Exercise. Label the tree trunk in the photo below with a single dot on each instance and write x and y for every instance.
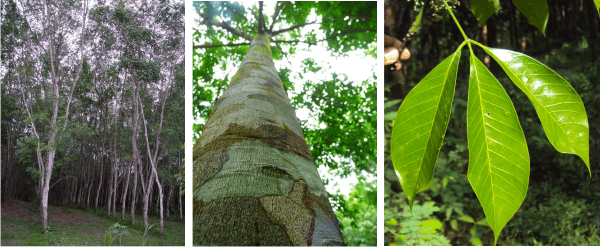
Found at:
(180, 205)
(255, 182)
(168, 201)
(134, 192)
(160, 201)
(146, 199)
(126, 186)
(99, 183)
(134, 127)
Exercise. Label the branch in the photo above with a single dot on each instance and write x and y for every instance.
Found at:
(221, 45)
(230, 29)
(330, 37)
(239, 15)
(294, 41)
(348, 32)
(276, 15)
(261, 19)
(291, 28)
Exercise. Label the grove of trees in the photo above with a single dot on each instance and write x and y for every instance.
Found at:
(92, 106)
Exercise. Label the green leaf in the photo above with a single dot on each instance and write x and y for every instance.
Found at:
(392, 103)
(597, 2)
(466, 218)
(430, 226)
(498, 155)
(389, 116)
(483, 222)
(536, 12)
(454, 224)
(558, 106)
(392, 222)
(420, 126)
(483, 9)
(476, 241)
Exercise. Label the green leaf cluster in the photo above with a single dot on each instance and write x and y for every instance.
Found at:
(498, 158)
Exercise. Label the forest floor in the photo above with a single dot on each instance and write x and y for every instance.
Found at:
(71, 226)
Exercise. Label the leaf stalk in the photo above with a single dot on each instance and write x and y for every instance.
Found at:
(455, 20)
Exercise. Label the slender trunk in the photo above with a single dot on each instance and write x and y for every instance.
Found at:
(153, 158)
(160, 201)
(255, 169)
(126, 186)
(91, 183)
(169, 200)
(110, 188)
(594, 40)
(114, 199)
(180, 205)
(146, 200)
(134, 126)
(134, 193)
(99, 183)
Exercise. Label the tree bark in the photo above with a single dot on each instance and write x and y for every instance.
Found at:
(99, 183)
(255, 182)
(180, 205)
(125, 187)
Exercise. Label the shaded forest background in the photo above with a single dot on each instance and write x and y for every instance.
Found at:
(118, 68)
(562, 206)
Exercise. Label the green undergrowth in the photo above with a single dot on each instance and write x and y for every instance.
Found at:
(89, 228)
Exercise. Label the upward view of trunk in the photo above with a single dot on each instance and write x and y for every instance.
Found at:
(255, 182)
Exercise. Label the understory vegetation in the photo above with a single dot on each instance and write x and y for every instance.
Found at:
(69, 226)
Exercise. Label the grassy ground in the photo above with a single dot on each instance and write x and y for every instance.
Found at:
(71, 226)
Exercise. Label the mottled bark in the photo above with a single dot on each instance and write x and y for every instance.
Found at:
(255, 182)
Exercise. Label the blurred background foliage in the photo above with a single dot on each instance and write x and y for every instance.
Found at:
(562, 206)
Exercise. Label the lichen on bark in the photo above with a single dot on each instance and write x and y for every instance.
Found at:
(255, 182)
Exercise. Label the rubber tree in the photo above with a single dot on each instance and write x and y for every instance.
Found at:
(255, 182)
(56, 85)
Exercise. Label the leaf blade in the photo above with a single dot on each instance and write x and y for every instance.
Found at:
(422, 121)
(536, 12)
(498, 156)
(483, 9)
(558, 106)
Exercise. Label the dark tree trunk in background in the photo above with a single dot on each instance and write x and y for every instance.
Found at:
(125, 188)
(593, 27)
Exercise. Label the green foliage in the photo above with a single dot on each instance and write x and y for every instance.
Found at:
(346, 123)
(420, 126)
(417, 228)
(498, 162)
(558, 106)
(498, 159)
(483, 9)
(358, 215)
(115, 233)
(536, 12)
